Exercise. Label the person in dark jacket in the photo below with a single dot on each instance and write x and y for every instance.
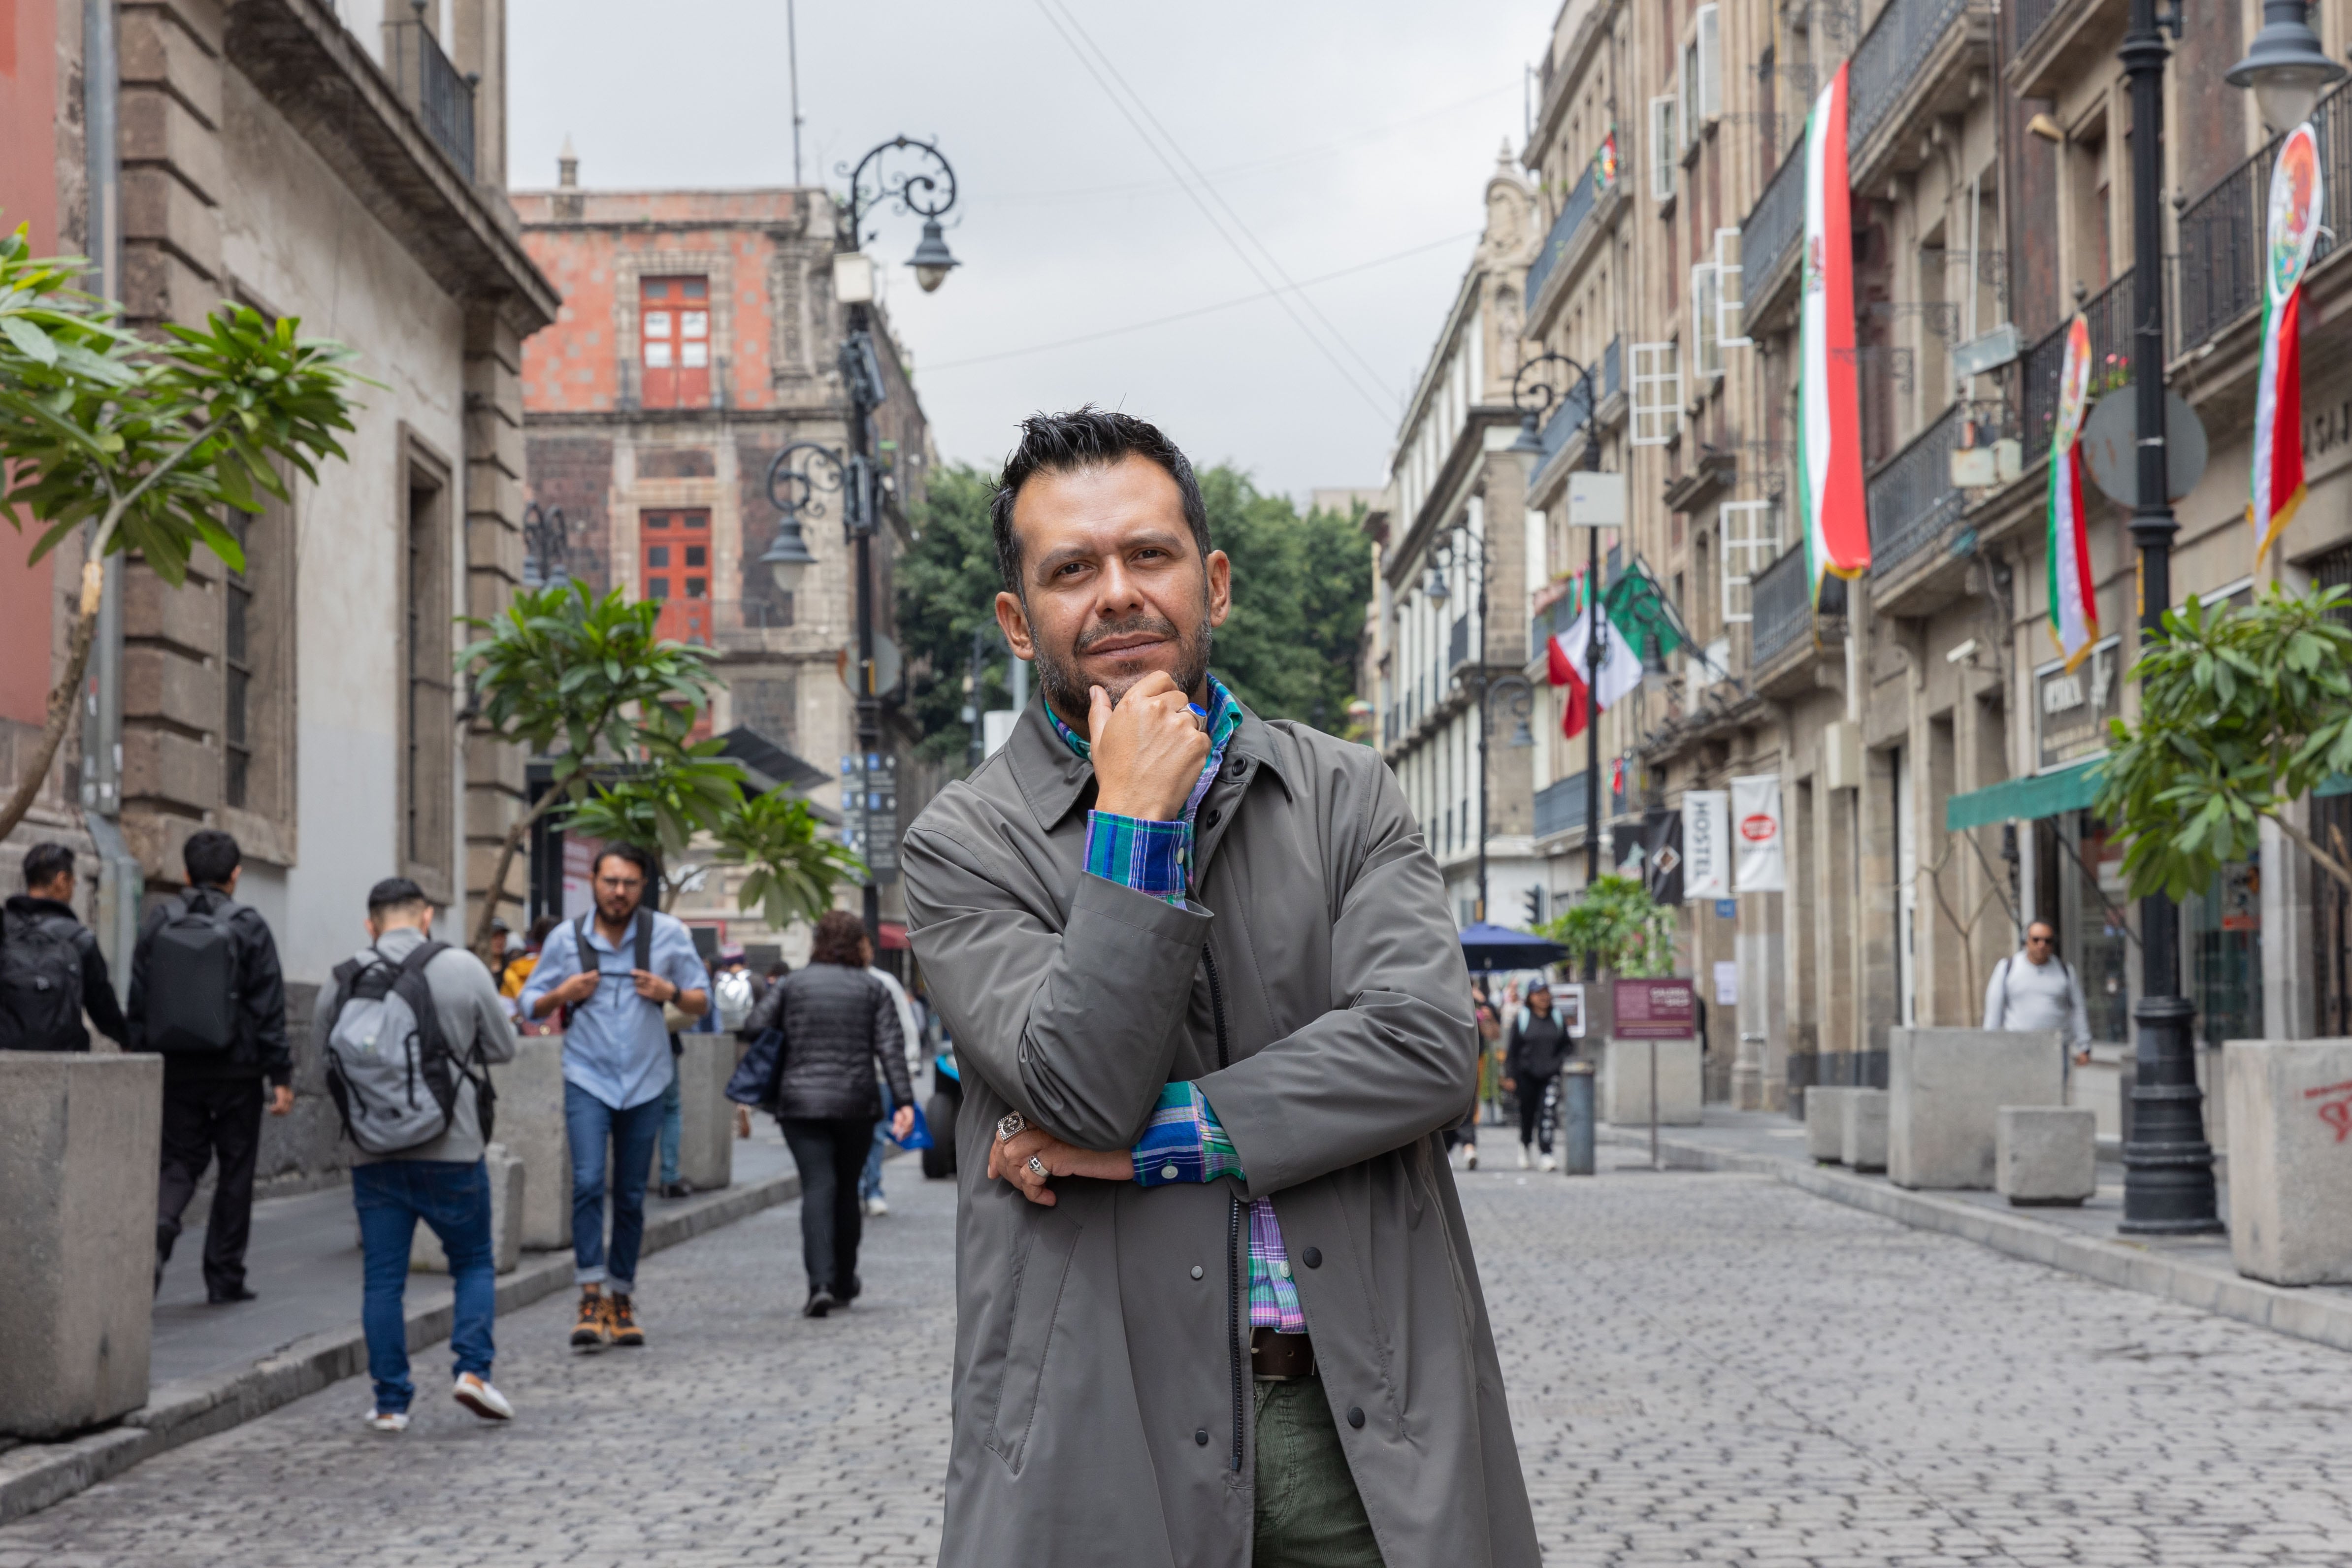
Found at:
(839, 1023)
(1538, 1048)
(212, 1099)
(44, 911)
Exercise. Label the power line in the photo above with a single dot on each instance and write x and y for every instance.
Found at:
(1203, 310)
(1342, 338)
(1246, 259)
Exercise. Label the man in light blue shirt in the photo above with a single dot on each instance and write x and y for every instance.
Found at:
(617, 1065)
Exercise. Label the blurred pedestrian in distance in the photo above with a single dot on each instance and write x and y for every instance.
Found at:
(517, 974)
(444, 1182)
(1536, 1050)
(51, 971)
(207, 994)
(1465, 1135)
(869, 1180)
(608, 975)
(734, 996)
(2033, 988)
(839, 1025)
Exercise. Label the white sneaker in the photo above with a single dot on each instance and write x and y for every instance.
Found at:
(876, 1208)
(1469, 1156)
(388, 1420)
(480, 1397)
(1547, 1163)
(1526, 1159)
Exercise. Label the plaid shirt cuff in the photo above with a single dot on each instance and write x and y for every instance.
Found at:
(1184, 1141)
(1135, 853)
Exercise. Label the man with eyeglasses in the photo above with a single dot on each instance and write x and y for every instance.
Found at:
(2036, 989)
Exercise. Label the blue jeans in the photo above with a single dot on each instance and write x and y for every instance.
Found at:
(869, 1180)
(591, 1124)
(673, 1128)
(454, 1198)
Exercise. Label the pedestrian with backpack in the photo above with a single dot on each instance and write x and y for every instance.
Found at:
(408, 1028)
(2033, 988)
(51, 971)
(1538, 1047)
(207, 994)
(609, 974)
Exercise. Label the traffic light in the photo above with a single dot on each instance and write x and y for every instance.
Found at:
(1535, 906)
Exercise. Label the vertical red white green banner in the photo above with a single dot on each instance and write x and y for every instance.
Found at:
(1829, 458)
(2074, 592)
(2298, 194)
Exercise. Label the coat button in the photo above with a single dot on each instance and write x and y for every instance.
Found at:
(1196, 1271)
(1355, 1415)
(1213, 814)
(1201, 1437)
(1312, 1258)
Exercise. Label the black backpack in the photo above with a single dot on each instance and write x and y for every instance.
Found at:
(40, 981)
(192, 976)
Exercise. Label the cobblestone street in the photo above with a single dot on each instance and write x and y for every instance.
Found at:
(1703, 1369)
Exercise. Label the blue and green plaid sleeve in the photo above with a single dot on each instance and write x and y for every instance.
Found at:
(1184, 1141)
(1138, 853)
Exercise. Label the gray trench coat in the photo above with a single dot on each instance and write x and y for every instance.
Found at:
(1101, 1401)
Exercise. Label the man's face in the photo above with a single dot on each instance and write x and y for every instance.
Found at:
(2038, 941)
(619, 886)
(1112, 585)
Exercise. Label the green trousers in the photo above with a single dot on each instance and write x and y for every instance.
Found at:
(1309, 1513)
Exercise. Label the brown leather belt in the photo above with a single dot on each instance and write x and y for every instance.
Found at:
(1277, 1357)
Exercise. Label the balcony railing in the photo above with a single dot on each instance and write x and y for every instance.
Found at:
(2110, 314)
(2031, 15)
(1457, 644)
(1570, 415)
(425, 80)
(1889, 57)
(1777, 222)
(1779, 597)
(2221, 232)
(1559, 808)
(1571, 217)
(1912, 499)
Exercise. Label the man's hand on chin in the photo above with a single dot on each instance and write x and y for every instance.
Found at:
(1008, 1160)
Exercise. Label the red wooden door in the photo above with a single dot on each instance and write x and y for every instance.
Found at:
(674, 325)
(674, 567)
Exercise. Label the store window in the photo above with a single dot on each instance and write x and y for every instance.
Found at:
(673, 326)
(2221, 953)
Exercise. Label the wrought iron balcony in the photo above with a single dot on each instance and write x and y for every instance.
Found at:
(1457, 644)
(2110, 314)
(1781, 598)
(442, 99)
(1559, 808)
(1581, 202)
(2221, 276)
(1775, 224)
(1890, 56)
(1912, 498)
(2031, 15)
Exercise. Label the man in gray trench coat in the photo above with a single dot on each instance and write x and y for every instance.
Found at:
(1216, 1304)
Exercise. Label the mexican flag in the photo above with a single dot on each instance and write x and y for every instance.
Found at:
(2297, 194)
(1619, 668)
(2073, 600)
(1829, 456)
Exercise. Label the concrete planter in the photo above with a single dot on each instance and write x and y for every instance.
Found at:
(1945, 1092)
(706, 1150)
(509, 1186)
(2290, 1121)
(1862, 1128)
(1625, 1082)
(530, 1124)
(1825, 1124)
(82, 1138)
(2043, 1154)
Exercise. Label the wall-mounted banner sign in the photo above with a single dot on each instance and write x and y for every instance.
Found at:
(1759, 864)
(1707, 845)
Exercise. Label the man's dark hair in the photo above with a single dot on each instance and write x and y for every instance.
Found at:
(394, 893)
(635, 855)
(1088, 438)
(838, 932)
(44, 863)
(211, 858)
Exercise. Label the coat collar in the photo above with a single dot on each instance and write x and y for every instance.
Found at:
(1053, 777)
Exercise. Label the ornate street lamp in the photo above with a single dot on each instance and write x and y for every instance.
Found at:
(922, 183)
(1472, 555)
(546, 548)
(1540, 386)
(2287, 68)
(795, 477)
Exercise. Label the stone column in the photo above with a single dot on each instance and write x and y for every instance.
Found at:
(494, 551)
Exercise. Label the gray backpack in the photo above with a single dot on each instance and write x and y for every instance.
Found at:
(391, 1073)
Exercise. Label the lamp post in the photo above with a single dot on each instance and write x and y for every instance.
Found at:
(2287, 68)
(911, 176)
(1469, 551)
(2167, 1164)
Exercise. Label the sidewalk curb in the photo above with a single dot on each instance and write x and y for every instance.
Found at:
(35, 1475)
(2322, 1319)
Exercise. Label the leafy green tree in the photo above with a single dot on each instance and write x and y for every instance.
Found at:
(2243, 710)
(588, 682)
(1619, 927)
(794, 867)
(947, 591)
(145, 441)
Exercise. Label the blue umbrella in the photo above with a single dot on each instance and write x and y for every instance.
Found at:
(1488, 948)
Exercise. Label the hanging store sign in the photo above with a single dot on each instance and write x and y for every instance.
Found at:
(2072, 707)
(1706, 843)
(1759, 864)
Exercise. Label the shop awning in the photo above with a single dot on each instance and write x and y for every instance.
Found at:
(2043, 794)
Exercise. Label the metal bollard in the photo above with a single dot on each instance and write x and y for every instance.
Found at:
(1575, 1119)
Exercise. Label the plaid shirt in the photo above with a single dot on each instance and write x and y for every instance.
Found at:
(1184, 1141)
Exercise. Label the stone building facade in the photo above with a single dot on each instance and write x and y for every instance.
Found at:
(698, 337)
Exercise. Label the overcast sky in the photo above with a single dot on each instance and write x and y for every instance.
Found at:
(1339, 134)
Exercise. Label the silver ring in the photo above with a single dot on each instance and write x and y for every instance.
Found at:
(1037, 1167)
(1010, 1126)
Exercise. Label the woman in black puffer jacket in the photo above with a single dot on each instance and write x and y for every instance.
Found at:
(838, 1022)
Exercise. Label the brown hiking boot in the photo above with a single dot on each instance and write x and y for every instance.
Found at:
(621, 1322)
(592, 1329)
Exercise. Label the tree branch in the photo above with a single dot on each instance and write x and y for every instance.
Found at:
(2319, 858)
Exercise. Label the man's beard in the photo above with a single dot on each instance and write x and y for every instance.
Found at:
(1067, 690)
